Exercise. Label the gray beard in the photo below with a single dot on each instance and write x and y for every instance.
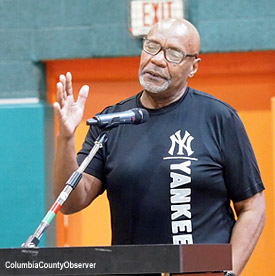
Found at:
(152, 87)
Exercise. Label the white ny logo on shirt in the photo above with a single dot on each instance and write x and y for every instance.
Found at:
(183, 143)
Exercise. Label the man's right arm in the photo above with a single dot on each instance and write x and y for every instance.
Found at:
(69, 114)
(88, 188)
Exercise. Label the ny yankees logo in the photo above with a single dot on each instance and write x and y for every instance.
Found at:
(181, 186)
(183, 143)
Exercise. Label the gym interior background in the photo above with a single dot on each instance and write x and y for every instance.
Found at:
(92, 39)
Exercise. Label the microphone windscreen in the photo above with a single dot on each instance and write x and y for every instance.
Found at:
(145, 114)
(141, 115)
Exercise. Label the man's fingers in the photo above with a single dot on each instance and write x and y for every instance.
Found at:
(57, 109)
(60, 96)
(82, 97)
(69, 86)
(62, 80)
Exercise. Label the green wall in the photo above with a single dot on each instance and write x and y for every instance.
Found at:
(32, 31)
(25, 159)
(35, 30)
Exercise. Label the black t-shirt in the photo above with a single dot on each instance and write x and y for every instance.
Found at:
(170, 180)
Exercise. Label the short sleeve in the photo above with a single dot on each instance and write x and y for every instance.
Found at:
(241, 171)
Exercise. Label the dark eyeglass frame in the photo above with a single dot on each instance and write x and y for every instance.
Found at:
(164, 50)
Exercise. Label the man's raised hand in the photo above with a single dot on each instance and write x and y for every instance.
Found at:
(68, 111)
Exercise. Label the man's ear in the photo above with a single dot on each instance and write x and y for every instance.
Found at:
(194, 68)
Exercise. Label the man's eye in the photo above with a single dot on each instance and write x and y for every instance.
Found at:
(152, 46)
(174, 54)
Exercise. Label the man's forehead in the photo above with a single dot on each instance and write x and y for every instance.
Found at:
(176, 31)
(168, 35)
(169, 31)
(171, 27)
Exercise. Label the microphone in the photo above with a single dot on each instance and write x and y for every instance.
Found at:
(133, 116)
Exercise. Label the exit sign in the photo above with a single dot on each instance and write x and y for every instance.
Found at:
(146, 13)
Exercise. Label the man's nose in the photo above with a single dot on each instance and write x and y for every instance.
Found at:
(159, 59)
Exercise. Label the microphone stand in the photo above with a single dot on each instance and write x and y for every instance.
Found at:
(71, 184)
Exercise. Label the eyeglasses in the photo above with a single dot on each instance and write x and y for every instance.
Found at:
(172, 55)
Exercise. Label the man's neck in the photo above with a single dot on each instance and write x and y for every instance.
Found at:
(159, 100)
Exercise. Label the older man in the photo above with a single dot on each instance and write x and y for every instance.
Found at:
(171, 179)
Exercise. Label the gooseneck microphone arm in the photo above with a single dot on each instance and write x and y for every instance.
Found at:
(106, 122)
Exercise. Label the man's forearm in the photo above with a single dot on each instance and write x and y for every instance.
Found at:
(246, 232)
(64, 163)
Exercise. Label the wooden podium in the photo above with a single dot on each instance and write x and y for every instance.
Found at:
(197, 259)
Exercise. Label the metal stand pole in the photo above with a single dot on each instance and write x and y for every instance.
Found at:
(34, 239)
